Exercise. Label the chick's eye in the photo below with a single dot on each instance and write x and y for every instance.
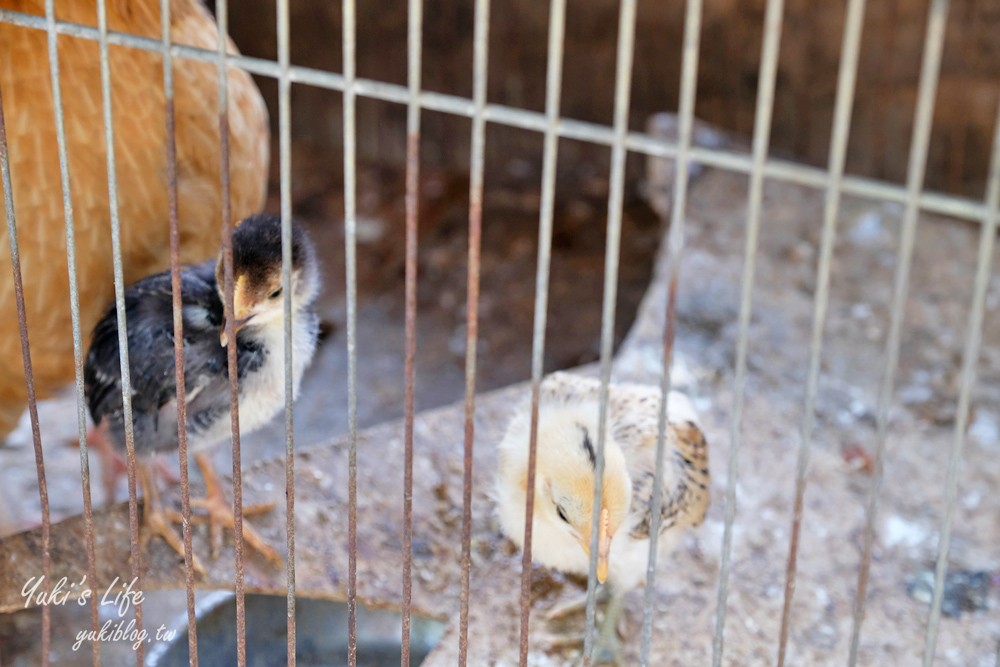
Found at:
(275, 294)
(562, 513)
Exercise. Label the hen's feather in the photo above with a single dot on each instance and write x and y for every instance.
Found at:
(139, 114)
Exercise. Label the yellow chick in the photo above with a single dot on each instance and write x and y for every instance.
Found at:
(568, 415)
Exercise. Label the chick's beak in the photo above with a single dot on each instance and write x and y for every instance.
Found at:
(242, 310)
(603, 546)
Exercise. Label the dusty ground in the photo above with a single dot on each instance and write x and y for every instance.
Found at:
(508, 269)
(506, 308)
(911, 504)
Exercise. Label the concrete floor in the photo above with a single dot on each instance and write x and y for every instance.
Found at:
(920, 439)
(506, 318)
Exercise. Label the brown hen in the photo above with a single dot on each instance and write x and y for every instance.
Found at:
(140, 150)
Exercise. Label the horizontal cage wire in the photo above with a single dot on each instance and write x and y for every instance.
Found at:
(832, 181)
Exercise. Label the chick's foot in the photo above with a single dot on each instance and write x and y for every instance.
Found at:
(219, 514)
(159, 521)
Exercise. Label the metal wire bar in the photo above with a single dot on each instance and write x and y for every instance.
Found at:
(553, 89)
(226, 222)
(637, 142)
(285, 185)
(623, 90)
(929, 71)
(74, 306)
(350, 263)
(414, 57)
(846, 79)
(178, 315)
(123, 352)
(29, 381)
(973, 341)
(761, 141)
(476, 166)
(675, 245)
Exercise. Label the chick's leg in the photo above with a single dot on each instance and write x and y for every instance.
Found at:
(562, 633)
(220, 513)
(575, 605)
(159, 521)
(607, 648)
(113, 466)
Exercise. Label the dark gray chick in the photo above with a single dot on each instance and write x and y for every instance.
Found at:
(259, 331)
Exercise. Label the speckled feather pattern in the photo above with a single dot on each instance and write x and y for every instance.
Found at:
(632, 423)
(633, 420)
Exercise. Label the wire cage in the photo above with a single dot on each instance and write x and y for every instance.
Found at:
(758, 165)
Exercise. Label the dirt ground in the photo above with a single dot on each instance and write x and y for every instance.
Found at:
(920, 436)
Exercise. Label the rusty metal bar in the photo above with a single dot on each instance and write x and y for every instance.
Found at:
(414, 57)
(846, 78)
(285, 178)
(29, 381)
(123, 352)
(675, 246)
(553, 90)
(619, 155)
(350, 265)
(477, 158)
(929, 71)
(973, 342)
(178, 315)
(761, 141)
(226, 221)
(74, 301)
(637, 142)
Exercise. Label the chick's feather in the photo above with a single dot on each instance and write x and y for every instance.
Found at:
(139, 116)
(148, 313)
(632, 434)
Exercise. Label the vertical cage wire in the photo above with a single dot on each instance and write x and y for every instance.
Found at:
(476, 160)
(675, 246)
(178, 317)
(835, 187)
(285, 186)
(973, 341)
(553, 93)
(414, 59)
(761, 140)
(623, 90)
(350, 265)
(123, 356)
(222, 19)
(29, 381)
(74, 306)
(929, 71)
(732, 160)
(846, 78)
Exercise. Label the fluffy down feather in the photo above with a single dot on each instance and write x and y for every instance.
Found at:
(140, 132)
